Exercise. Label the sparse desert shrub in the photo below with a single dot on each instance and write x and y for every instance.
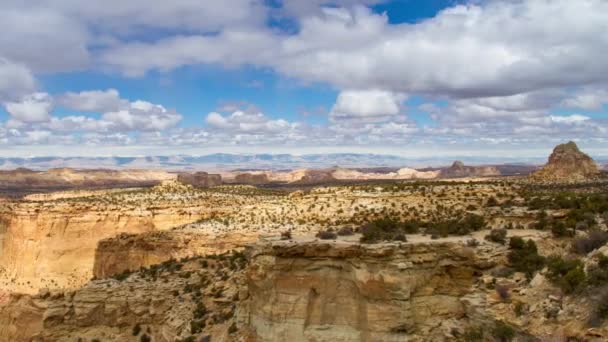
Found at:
(387, 229)
(492, 202)
(136, 329)
(122, 276)
(200, 311)
(503, 332)
(519, 308)
(498, 236)
(196, 326)
(503, 292)
(523, 256)
(594, 240)
(569, 275)
(286, 235)
(145, 338)
(345, 231)
(600, 311)
(558, 229)
(327, 235)
(597, 275)
(473, 334)
(472, 243)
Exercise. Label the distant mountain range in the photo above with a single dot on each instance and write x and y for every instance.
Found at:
(248, 162)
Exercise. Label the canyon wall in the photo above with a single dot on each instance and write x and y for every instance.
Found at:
(316, 291)
(131, 252)
(54, 246)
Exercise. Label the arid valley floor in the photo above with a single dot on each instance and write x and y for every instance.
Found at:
(457, 254)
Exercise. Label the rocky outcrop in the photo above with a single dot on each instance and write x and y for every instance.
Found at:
(159, 304)
(22, 180)
(251, 178)
(567, 164)
(128, 252)
(403, 173)
(200, 179)
(319, 291)
(53, 244)
(459, 170)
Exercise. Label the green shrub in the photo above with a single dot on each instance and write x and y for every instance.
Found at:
(327, 235)
(597, 275)
(519, 309)
(569, 275)
(200, 311)
(524, 256)
(196, 326)
(473, 334)
(558, 229)
(498, 236)
(345, 231)
(503, 332)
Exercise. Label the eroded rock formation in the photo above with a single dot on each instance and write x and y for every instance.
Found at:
(131, 252)
(458, 170)
(200, 179)
(567, 163)
(350, 292)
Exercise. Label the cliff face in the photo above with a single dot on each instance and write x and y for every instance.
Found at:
(252, 179)
(131, 252)
(200, 179)
(23, 179)
(110, 310)
(53, 247)
(567, 163)
(349, 292)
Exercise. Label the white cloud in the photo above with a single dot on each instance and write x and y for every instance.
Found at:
(93, 101)
(15, 80)
(494, 49)
(366, 105)
(42, 38)
(587, 99)
(35, 107)
(249, 122)
(570, 119)
(143, 115)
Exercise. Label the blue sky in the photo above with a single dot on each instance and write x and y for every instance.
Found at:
(405, 77)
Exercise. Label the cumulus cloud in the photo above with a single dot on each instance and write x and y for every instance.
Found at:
(35, 107)
(366, 105)
(43, 38)
(93, 101)
(587, 99)
(143, 115)
(494, 49)
(248, 122)
(15, 80)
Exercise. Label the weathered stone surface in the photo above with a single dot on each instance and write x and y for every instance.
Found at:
(350, 292)
(567, 163)
(200, 179)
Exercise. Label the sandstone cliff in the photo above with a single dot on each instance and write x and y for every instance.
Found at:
(23, 179)
(350, 292)
(200, 179)
(132, 252)
(251, 178)
(567, 163)
(53, 243)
